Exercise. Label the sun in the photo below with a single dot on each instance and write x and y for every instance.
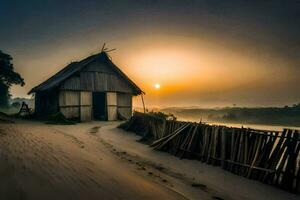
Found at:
(157, 86)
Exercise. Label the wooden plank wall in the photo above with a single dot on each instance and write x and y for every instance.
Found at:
(85, 106)
(97, 77)
(78, 104)
(72, 83)
(124, 102)
(69, 104)
(98, 81)
(111, 99)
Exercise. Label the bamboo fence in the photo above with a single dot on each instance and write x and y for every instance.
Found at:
(271, 157)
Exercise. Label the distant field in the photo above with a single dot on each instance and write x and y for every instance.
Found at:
(282, 116)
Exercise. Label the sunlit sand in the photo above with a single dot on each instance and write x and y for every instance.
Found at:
(96, 160)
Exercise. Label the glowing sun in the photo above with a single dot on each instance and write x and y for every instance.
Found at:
(157, 86)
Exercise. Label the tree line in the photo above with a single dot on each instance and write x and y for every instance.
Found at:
(8, 77)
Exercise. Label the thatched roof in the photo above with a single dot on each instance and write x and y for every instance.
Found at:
(74, 67)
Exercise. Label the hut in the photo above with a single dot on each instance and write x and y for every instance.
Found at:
(91, 89)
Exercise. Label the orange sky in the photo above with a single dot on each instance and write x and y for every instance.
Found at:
(202, 53)
(191, 71)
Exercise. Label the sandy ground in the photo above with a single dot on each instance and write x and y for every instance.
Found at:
(39, 161)
(96, 160)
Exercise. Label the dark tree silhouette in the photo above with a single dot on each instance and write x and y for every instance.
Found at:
(8, 77)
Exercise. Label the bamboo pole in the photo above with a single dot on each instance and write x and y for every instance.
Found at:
(143, 102)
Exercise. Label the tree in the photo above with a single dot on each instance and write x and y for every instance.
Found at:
(8, 77)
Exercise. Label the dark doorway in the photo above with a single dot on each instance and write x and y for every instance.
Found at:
(99, 105)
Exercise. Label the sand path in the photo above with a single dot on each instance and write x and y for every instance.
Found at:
(39, 161)
(96, 160)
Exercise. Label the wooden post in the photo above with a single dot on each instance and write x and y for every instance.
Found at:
(143, 102)
(223, 147)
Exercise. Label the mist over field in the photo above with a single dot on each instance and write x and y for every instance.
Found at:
(284, 116)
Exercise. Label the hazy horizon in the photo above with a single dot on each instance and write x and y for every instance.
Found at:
(207, 54)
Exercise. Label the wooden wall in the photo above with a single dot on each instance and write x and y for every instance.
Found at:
(69, 104)
(76, 104)
(124, 102)
(85, 106)
(97, 77)
(111, 99)
(98, 81)
(75, 97)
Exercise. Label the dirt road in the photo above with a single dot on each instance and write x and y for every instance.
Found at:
(96, 160)
(39, 161)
